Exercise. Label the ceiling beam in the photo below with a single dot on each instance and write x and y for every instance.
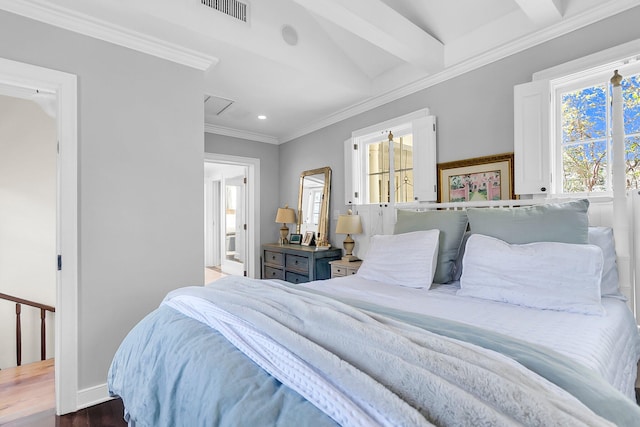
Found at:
(541, 12)
(374, 21)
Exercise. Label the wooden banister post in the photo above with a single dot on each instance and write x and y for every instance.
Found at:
(18, 335)
(43, 314)
(43, 337)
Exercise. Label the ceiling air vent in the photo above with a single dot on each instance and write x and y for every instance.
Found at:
(233, 8)
(216, 105)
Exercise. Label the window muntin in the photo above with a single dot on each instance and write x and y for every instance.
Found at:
(403, 167)
(583, 154)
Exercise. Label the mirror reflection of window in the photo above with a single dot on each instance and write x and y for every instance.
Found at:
(312, 202)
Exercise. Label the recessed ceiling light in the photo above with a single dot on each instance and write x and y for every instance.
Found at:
(262, 117)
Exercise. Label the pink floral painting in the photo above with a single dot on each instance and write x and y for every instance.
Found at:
(475, 186)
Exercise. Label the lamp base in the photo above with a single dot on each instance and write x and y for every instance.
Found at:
(284, 232)
(348, 245)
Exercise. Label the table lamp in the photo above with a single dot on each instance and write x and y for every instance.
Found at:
(349, 224)
(285, 216)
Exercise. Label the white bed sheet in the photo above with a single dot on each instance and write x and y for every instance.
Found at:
(609, 344)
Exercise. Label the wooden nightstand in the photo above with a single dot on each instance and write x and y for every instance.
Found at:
(297, 264)
(341, 268)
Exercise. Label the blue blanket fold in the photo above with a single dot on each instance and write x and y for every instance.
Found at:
(174, 371)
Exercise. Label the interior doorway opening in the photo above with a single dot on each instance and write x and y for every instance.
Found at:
(231, 212)
(226, 219)
(63, 86)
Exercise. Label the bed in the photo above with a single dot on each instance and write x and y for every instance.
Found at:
(477, 317)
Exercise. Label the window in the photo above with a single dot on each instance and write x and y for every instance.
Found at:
(382, 174)
(583, 132)
(391, 171)
(562, 125)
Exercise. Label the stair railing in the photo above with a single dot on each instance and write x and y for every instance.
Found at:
(43, 310)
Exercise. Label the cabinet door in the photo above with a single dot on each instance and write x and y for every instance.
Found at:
(531, 138)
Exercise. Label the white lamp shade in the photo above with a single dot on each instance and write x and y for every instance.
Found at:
(349, 224)
(286, 215)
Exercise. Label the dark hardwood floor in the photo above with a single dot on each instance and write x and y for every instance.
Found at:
(107, 414)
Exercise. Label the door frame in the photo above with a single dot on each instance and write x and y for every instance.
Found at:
(64, 85)
(253, 204)
(212, 222)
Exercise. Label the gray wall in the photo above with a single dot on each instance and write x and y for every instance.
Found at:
(269, 173)
(140, 121)
(474, 111)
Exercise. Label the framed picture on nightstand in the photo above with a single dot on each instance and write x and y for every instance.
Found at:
(295, 239)
(308, 238)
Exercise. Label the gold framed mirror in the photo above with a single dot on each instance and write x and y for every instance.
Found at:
(313, 204)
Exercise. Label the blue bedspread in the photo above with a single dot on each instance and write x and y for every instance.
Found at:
(172, 370)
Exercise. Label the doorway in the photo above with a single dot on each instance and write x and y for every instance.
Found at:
(231, 195)
(63, 86)
(226, 219)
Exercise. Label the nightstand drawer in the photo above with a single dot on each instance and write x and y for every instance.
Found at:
(338, 271)
(273, 273)
(298, 263)
(275, 258)
(295, 278)
(341, 268)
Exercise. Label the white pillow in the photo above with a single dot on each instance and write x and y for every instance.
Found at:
(407, 259)
(603, 237)
(547, 275)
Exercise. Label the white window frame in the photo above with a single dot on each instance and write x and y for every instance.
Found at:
(423, 128)
(533, 173)
(568, 84)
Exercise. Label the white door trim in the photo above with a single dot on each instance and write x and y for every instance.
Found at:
(253, 204)
(23, 75)
(212, 222)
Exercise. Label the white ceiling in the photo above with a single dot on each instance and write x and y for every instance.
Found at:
(350, 55)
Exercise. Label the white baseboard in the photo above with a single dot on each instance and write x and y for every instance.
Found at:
(93, 396)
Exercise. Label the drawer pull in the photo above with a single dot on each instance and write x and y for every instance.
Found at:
(273, 257)
(339, 271)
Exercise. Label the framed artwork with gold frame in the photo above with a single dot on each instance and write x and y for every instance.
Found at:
(477, 179)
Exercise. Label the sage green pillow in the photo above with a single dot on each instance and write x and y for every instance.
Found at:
(452, 225)
(554, 222)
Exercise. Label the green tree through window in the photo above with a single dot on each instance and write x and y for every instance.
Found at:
(586, 136)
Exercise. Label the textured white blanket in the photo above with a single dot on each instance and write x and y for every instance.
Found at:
(364, 369)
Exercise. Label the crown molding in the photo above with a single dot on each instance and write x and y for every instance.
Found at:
(561, 28)
(237, 133)
(89, 26)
